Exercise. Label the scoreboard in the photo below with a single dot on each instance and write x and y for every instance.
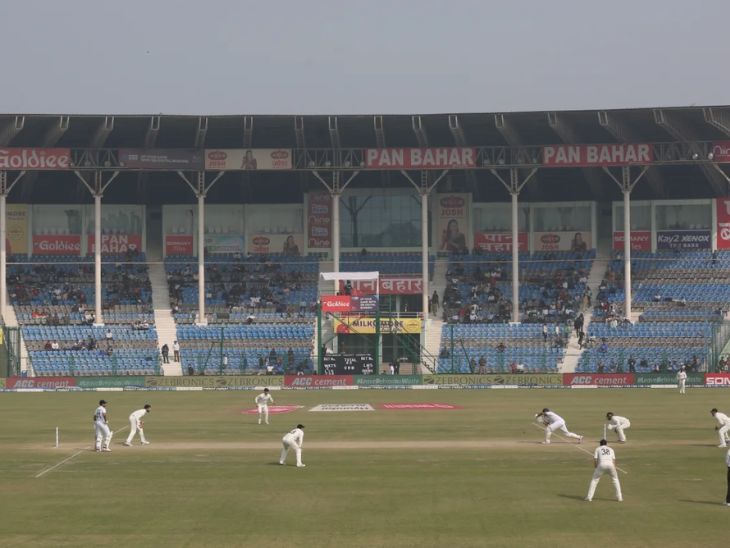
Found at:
(349, 364)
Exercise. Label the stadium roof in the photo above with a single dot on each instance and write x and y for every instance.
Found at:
(655, 125)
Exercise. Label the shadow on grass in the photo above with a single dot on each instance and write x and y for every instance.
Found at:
(574, 497)
(710, 502)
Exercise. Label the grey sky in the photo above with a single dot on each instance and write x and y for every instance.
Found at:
(376, 56)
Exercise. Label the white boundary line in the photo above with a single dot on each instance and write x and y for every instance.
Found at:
(576, 445)
(77, 453)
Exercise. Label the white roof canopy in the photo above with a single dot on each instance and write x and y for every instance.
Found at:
(352, 276)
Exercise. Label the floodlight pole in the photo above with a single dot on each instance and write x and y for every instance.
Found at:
(627, 184)
(200, 188)
(5, 189)
(514, 186)
(96, 186)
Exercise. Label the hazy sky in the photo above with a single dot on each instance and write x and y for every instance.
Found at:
(371, 56)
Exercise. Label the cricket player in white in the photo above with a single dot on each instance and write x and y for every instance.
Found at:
(604, 461)
(682, 381)
(101, 428)
(262, 402)
(553, 422)
(723, 427)
(619, 424)
(136, 425)
(293, 440)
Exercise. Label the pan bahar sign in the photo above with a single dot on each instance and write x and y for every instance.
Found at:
(529, 379)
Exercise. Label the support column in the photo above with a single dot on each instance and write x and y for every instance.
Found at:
(3, 250)
(201, 255)
(424, 251)
(98, 319)
(627, 184)
(514, 186)
(515, 259)
(336, 230)
(627, 253)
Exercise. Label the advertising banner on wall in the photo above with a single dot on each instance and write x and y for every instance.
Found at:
(528, 379)
(640, 240)
(683, 239)
(451, 222)
(596, 155)
(721, 152)
(223, 243)
(723, 223)
(366, 326)
(647, 379)
(318, 381)
(173, 158)
(57, 229)
(319, 220)
(35, 159)
(116, 243)
(122, 227)
(239, 159)
(179, 224)
(388, 285)
(111, 382)
(561, 241)
(420, 158)
(16, 235)
(717, 379)
(599, 379)
(218, 381)
(48, 383)
(223, 228)
(495, 242)
(287, 244)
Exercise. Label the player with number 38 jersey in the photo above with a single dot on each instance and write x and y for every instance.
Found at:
(604, 461)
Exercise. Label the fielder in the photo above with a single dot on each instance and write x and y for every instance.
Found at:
(293, 440)
(101, 428)
(682, 381)
(552, 422)
(723, 426)
(136, 425)
(619, 424)
(262, 402)
(604, 461)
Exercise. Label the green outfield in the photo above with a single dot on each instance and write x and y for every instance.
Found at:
(475, 476)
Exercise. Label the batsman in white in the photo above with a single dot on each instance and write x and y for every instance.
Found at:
(604, 461)
(553, 422)
(101, 428)
(136, 425)
(262, 402)
(682, 381)
(293, 440)
(619, 424)
(723, 426)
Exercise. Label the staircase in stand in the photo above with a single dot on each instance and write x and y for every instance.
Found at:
(11, 320)
(164, 321)
(431, 346)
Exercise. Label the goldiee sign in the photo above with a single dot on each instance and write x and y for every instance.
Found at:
(529, 379)
(223, 381)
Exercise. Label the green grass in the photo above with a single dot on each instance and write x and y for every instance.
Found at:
(515, 494)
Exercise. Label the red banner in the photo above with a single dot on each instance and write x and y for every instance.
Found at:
(117, 243)
(599, 379)
(40, 382)
(596, 155)
(420, 158)
(389, 285)
(723, 223)
(35, 159)
(319, 221)
(47, 244)
(717, 379)
(561, 241)
(721, 152)
(494, 242)
(334, 303)
(177, 244)
(640, 240)
(318, 381)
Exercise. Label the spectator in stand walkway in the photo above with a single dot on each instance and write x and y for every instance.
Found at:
(165, 350)
(545, 332)
(176, 351)
(435, 303)
(109, 336)
(578, 323)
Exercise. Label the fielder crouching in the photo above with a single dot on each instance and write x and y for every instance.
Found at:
(136, 425)
(293, 440)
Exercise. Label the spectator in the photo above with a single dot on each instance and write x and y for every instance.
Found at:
(108, 335)
(224, 363)
(482, 365)
(632, 365)
(581, 337)
(165, 350)
(545, 332)
(472, 366)
(435, 303)
(290, 358)
(176, 351)
(48, 346)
